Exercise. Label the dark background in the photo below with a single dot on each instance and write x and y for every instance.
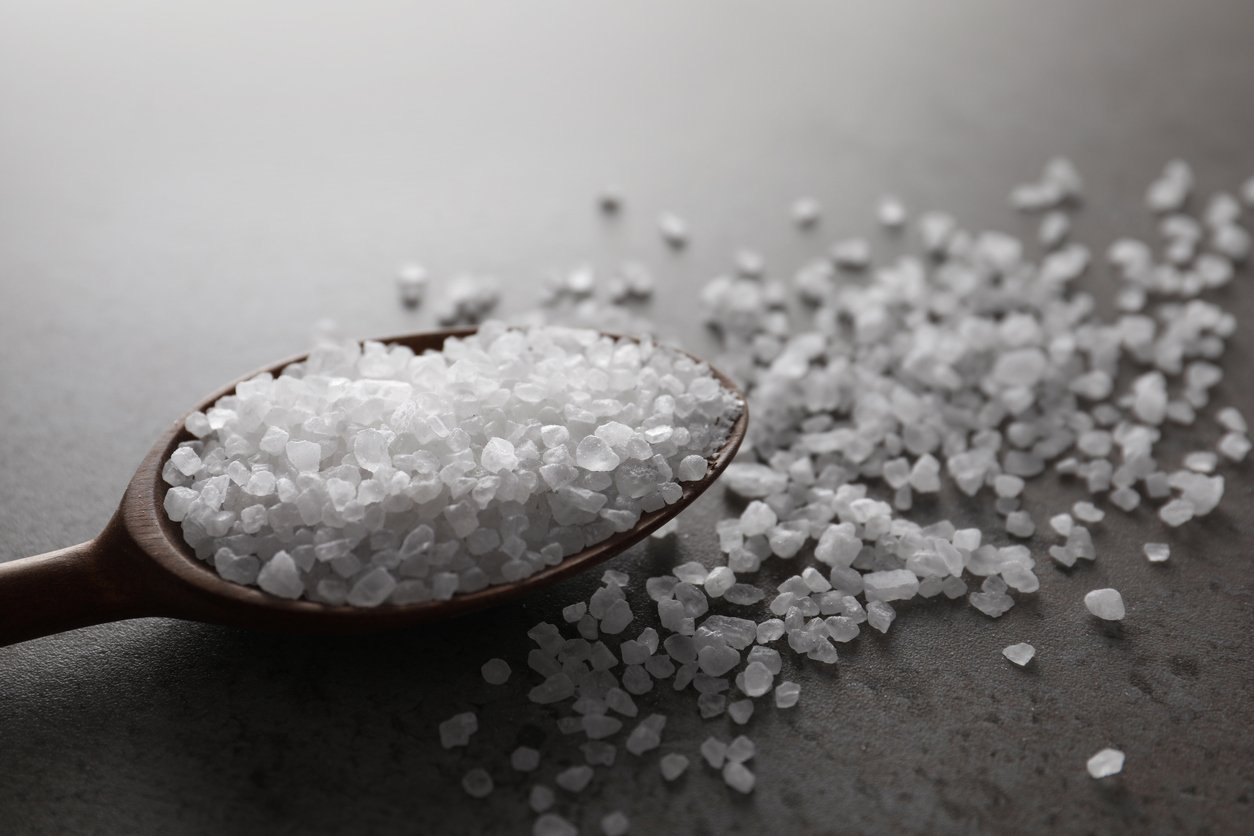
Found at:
(186, 188)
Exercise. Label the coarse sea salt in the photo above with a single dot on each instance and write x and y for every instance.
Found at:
(1020, 654)
(1105, 763)
(972, 366)
(368, 475)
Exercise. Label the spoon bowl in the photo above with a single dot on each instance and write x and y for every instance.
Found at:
(140, 566)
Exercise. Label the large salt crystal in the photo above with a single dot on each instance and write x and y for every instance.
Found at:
(186, 460)
(756, 519)
(457, 730)
(1105, 763)
(753, 480)
(551, 824)
(673, 765)
(304, 455)
(1020, 654)
(787, 694)
(880, 615)
(281, 577)
(1106, 604)
(477, 783)
(894, 585)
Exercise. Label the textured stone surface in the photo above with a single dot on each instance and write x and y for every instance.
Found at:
(295, 158)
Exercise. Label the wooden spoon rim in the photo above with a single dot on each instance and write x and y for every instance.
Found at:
(202, 589)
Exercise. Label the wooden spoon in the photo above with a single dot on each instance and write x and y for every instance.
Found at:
(140, 567)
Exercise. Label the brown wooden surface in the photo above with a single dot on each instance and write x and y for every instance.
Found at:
(139, 566)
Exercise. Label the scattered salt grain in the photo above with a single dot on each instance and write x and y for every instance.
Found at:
(738, 777)
(853, 254)
(1087, 512)
(891, 212)
(574, 779)
(1105, 763)
(524, 759)
(495, 671)
(551, 824)
(880, 615)
(1020, 654)
(477, 783)
(806, 212)
(714, 751)
(740, 711)
(1106, 604)
(457, 730)
(411, 283)
(673, 765)
(1157, 552)
(674, 230)
(615, 823)
(786, 694)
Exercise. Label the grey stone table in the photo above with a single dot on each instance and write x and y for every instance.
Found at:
(186, 188)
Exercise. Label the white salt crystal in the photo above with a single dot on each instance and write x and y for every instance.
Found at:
(738, 777)
(593, 453)
(787, 694)
(477, 783)
(1234, 446)
(551, 824)
(925, 476)
(615, 823)
(740, 711)
(992, 604)
(1232, 420)
(1105, 763)
(524, 759)
(617, 618)
(1020, 654)
(1088, 512)
(894, 585)
(1177, 512)
(852, 254)
(757, 518)
(1106, 604)
(719, 581)
(757, 679)
(673, 765)
(674, 230)
(880, 615)
(647, 735)
(495, 671)
(411, 282)
(1054, 229)
(806, 212)
(692, 468)
(186, 460)
(371, 589)
(498, 454)
(753, 480)
(575, 778)
(456, 730)
(304, 455)
(1019, 524)
(714, 751)
(281, 577)
(1157, 552)
(891, 212)
(540, 799)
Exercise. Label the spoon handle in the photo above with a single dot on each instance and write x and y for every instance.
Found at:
(63, 590)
